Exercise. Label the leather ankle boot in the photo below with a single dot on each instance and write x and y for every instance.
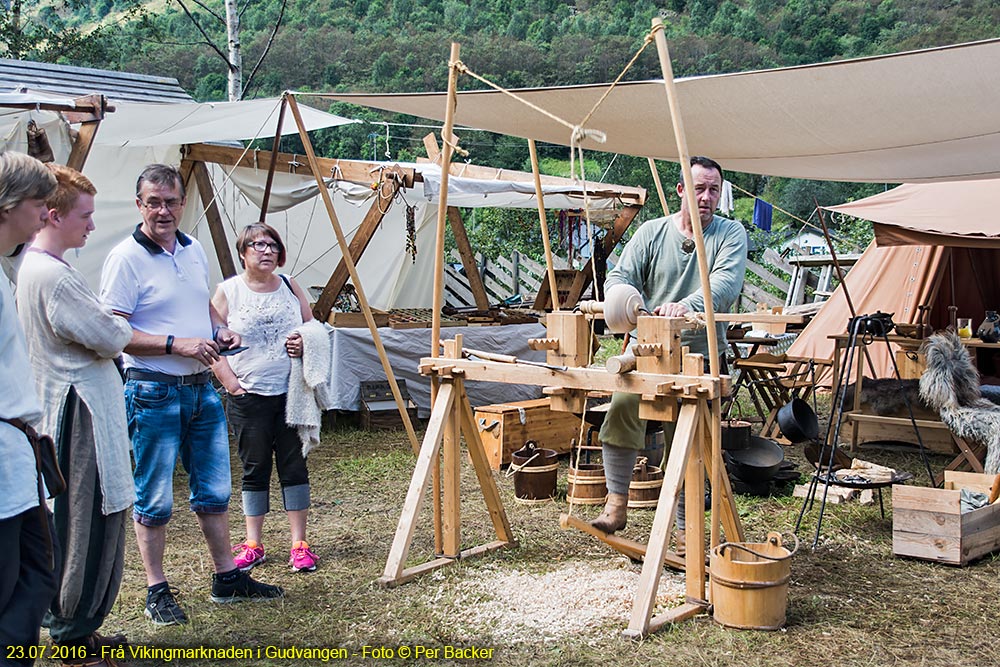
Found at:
(614, 514)
(680, 538)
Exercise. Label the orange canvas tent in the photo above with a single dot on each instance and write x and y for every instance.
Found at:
(936, 244)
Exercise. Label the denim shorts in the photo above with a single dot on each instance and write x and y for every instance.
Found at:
(166, 421)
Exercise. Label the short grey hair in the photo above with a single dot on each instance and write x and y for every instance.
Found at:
(160, 174)
(23, 177)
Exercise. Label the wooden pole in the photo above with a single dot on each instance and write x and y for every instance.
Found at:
(353, 270)
(549, 266)
(659, 185)
(274, 151)
(692, 203)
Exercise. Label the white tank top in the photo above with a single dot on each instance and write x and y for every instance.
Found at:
(264, 320)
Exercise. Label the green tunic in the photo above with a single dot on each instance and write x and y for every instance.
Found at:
(655, 263)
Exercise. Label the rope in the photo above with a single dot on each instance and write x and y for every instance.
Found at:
(774, 541)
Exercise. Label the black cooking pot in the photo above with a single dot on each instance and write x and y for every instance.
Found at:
(798, 422)
(757, 463)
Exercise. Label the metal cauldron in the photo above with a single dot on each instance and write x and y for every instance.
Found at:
(757, 463)
(798, 422)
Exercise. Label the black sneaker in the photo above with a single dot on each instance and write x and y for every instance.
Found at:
(243, 588)
(162, 608)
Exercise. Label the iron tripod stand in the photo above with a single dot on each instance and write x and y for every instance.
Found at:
(866, 328)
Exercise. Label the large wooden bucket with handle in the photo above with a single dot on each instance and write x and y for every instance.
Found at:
(750, 583)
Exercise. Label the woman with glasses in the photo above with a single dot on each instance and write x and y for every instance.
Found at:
(265, 307)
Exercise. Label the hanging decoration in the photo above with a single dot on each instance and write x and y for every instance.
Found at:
(411, 232)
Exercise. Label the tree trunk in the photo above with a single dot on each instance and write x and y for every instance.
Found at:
(235, 57)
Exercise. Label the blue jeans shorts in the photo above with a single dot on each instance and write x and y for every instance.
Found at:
(166, 421)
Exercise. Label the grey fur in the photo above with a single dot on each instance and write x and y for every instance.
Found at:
(950, 385)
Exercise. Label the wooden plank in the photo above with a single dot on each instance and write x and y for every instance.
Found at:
(353, 171)
(943, 501)
(82, 145)
(776, 260)
(487, 484)
(932, 524)
(919, 545)
(755, 295)
(362, 237)
(468, 258)
(223, 253)
(767, 276)
(969, 480)
(663, 521)
(418, 483)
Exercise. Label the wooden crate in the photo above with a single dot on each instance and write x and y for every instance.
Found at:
(378, 407)
(927, 523)
(357, 320)
(505, 427)
(911, 364)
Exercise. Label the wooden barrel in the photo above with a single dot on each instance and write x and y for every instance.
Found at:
(534, 469)
(750, 590)
(644, 489)
(585, 485)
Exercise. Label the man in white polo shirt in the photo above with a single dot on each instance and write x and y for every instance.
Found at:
(158, 280)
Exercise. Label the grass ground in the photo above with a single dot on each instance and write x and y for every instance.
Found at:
(850, 602)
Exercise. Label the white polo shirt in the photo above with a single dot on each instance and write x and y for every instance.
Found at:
(163, 293)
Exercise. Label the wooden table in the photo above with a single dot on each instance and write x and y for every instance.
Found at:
(968, 455)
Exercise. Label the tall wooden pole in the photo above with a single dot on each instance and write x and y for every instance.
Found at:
(659, 185)
(692, 203)
(353, 270)
(446, 152)
(275, 146)
(549, 266)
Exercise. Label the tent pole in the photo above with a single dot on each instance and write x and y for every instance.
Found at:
(274, 151)
(843, 282)
(353, 270)
(540, 198)
(692, 203)
(659, 185)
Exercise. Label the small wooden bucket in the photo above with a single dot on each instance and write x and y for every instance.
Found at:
(534, 469)
(750, 583)
(585, 485)
(644, 490)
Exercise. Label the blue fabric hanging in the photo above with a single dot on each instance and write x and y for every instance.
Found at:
(762, 212)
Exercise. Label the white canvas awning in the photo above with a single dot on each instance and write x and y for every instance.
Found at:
(917, 116)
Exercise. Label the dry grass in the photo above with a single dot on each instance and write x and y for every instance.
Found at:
(850, 603)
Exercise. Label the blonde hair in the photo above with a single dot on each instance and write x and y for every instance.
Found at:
(69, 184)
(23, 177)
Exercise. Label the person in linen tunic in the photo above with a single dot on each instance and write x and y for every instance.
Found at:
(29, 573)
(72, 341)
(660, 262)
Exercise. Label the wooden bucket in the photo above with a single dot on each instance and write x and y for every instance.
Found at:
(749, 583)
(644, 490)
(585, 485)
(534, 469)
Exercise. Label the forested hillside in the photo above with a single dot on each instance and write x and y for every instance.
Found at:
(402, 45)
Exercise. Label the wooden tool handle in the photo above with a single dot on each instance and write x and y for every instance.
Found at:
(491, 356)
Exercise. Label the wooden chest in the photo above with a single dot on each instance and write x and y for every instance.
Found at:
(928, 523)
(505, 427)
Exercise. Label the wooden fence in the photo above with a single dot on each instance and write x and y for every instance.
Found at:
(798, 279)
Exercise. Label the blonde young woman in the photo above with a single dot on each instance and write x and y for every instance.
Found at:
(265, 307)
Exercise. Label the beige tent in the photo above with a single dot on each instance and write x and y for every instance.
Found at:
(936, 244)
(925, 115)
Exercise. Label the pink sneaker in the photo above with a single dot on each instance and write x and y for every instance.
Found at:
(302, 559)
(248, 554)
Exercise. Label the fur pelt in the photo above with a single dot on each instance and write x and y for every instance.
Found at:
(308, 384)
(950, 385)
(886, 396)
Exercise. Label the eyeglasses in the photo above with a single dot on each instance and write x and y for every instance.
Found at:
(261, 246)
(157, 204)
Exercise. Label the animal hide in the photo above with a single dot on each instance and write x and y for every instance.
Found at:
(308, 384)
(887, 396)
(950, 385)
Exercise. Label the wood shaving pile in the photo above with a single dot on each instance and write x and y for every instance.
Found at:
(577, 598)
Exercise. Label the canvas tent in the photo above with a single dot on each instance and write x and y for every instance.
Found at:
(137, 134)
(925, 115)
(936, 244)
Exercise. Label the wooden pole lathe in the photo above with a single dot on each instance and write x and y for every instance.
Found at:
(353, 270)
